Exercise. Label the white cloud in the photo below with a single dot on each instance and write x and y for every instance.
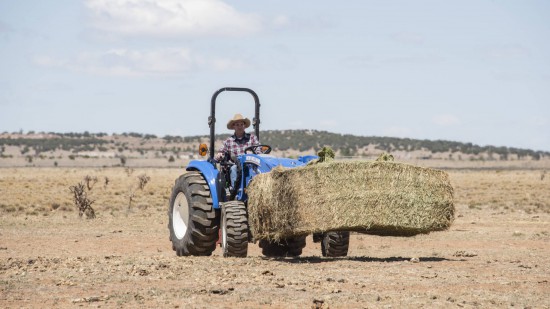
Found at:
(280, 21)
(226, 64)
(359, 62)
(446, 120)
(396, 131)
(507, 52)
(123, 62)
(296, 124)
(134, 63)
(45, 61)
(417, 59)
(410, 38)
(5, 28)
(539, 121)
(171, 18)
(328, 123)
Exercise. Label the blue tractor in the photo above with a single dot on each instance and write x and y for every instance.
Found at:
(203, 202)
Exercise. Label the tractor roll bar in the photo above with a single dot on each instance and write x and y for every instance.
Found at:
(212, 117)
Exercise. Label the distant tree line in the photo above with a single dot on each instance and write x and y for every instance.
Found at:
(283, 140)
(52, 144)
(87, 134)
(347, 144)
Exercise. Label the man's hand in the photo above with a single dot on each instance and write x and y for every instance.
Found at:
(219, 156)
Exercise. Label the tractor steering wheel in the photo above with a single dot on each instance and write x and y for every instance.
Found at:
(264, 149)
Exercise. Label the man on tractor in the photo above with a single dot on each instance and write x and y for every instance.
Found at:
(201, 204)
(235, 145)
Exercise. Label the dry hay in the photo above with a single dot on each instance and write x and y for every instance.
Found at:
(381, 198)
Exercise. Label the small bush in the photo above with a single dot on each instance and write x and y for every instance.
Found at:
(81, 201)
(90, 182)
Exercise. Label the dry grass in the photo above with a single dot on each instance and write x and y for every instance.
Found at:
(38, 191)
(525, 190)
(41, 191)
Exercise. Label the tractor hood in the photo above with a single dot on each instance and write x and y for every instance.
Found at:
(266, 163)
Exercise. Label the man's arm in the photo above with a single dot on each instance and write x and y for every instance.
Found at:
(222, 151)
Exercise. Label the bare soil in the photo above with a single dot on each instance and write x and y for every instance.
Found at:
(496, 254)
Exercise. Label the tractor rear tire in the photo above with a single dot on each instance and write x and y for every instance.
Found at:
(234, 225)
(291, 247)
(192, 221)
(335, 244)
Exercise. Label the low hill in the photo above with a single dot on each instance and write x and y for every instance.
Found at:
(101, 149)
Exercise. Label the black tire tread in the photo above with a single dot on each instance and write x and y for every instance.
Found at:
(203, 224)
(288, 247)
(234, 212)
(335, 244)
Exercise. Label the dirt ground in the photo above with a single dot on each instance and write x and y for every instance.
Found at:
(496, 254)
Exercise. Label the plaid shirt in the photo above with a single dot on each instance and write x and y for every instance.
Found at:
(236, 146)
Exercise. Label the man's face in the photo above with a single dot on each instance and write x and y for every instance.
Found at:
(238, 126)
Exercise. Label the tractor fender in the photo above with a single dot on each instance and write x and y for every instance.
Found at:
(210, 174)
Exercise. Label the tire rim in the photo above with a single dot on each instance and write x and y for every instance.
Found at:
(224, 232)
(180, 215)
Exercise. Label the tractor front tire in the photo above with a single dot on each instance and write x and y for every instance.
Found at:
(335, 244)
(192, 221)
(234, 224)
(291, 247)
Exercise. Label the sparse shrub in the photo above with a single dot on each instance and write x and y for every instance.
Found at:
(171, 159)
(81, 201)
(129, 171)
(90, 181)
(143, 179)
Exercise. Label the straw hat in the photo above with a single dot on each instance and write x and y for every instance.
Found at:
(238, 117)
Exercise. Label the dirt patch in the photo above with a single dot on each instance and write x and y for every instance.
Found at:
(496, 254)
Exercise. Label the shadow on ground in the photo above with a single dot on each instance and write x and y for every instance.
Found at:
(317, 259)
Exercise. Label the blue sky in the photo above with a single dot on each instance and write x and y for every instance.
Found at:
(470, 71)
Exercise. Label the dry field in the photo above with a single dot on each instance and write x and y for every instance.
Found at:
(496, 254)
